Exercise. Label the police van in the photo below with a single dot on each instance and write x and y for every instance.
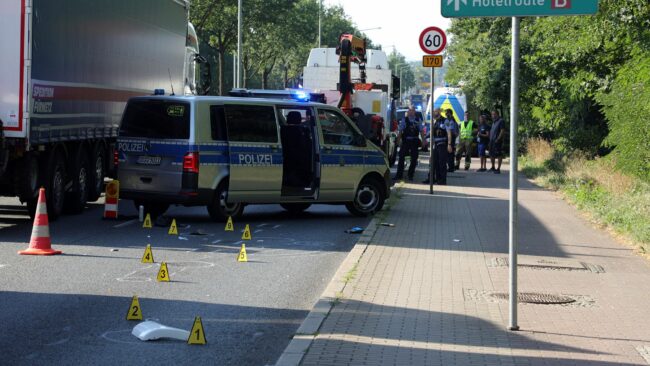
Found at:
(225, 153)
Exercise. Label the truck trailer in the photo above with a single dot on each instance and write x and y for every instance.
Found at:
(67, 68)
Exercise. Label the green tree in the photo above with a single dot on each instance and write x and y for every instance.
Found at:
(397, 62)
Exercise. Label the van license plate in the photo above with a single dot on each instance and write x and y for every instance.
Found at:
(149, 160)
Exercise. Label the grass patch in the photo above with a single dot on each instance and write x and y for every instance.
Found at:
(616, 200)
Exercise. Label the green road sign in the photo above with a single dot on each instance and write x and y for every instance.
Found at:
(517, 8)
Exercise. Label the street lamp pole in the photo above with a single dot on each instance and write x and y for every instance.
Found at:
(320, 21)
(239, 42)
(400, 81)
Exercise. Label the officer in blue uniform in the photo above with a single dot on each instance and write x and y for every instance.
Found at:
(409, 129)
(442, 139)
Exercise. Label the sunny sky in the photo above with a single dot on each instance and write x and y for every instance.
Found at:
(401, 21)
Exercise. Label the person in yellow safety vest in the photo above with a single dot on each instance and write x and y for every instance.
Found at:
(467, 133)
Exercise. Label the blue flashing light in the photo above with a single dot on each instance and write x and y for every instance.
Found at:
(159, 92)
(301, 96)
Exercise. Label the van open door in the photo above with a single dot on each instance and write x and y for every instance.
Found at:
(255, 154)
(300, 147)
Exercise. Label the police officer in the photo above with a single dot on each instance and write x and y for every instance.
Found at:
(409, 129)
(442, 139)
(452, 126)
(467, 131)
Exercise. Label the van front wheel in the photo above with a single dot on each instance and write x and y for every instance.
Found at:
(219, 209)
(368, 199)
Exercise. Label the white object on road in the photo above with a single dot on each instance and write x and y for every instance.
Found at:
(151, 331)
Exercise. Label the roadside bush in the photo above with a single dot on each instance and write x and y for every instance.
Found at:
(627, 108)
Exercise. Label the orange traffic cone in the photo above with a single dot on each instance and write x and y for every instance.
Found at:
(40, 242)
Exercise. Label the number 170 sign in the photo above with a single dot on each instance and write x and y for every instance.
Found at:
(433, 40)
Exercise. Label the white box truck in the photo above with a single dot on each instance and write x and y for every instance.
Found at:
(67, 68)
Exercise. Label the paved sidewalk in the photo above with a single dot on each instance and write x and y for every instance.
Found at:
(421, 292)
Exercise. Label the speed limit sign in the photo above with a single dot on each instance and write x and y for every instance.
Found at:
(433, 40)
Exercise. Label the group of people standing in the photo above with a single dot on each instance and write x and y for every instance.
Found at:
(451, 141)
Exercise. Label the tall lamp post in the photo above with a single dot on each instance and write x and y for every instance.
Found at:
(320, 21)
(239, 42)
(400, 81)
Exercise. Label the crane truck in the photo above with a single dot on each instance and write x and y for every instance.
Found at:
(358, 81)
(67, 68)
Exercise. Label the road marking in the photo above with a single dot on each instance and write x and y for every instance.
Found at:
(124, 224)
(61, 341)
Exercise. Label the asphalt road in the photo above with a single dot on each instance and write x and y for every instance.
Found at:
(70, 309)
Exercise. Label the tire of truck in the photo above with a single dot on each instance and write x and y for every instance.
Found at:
(30, 182)
(75, 201)
(55, 181)
(219, 209)
(368, 199)
(97, 172)
(295, 208)
(154, 209)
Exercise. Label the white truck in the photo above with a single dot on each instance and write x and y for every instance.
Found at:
(67, 68)
(322, 75)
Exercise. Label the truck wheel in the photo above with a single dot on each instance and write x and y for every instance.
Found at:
(154, 209)
(75, 201)
(219, 209)
(368, 199)
(97, 173)
(295, 208)
(55, 185)
(31, 175)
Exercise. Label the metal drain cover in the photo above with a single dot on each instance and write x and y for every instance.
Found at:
(535, 298)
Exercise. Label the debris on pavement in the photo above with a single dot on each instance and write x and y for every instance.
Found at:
(355, 230)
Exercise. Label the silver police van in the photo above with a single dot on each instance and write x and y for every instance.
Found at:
(225, 153)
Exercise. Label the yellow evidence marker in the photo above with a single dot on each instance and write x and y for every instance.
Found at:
(147, 257)
(229, 225)
(247, 233)
(135, 311)
(173, 229)
(197, 335)
(163, 273)
(147, 222)
(242, 257)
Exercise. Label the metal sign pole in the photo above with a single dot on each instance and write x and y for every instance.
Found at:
(513, 209)
(431, 145)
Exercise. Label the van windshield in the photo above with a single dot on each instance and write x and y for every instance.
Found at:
(157, 119)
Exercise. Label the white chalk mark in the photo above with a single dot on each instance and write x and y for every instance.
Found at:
(276, 226)
(262, 225)
(258, 231)
(56, 343)
(216, 241)
(124, 224)
(182, 238)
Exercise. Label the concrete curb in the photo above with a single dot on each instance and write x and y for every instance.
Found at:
(297, 348)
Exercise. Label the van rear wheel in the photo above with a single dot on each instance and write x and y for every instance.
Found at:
(368, 199)
(219, 209)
